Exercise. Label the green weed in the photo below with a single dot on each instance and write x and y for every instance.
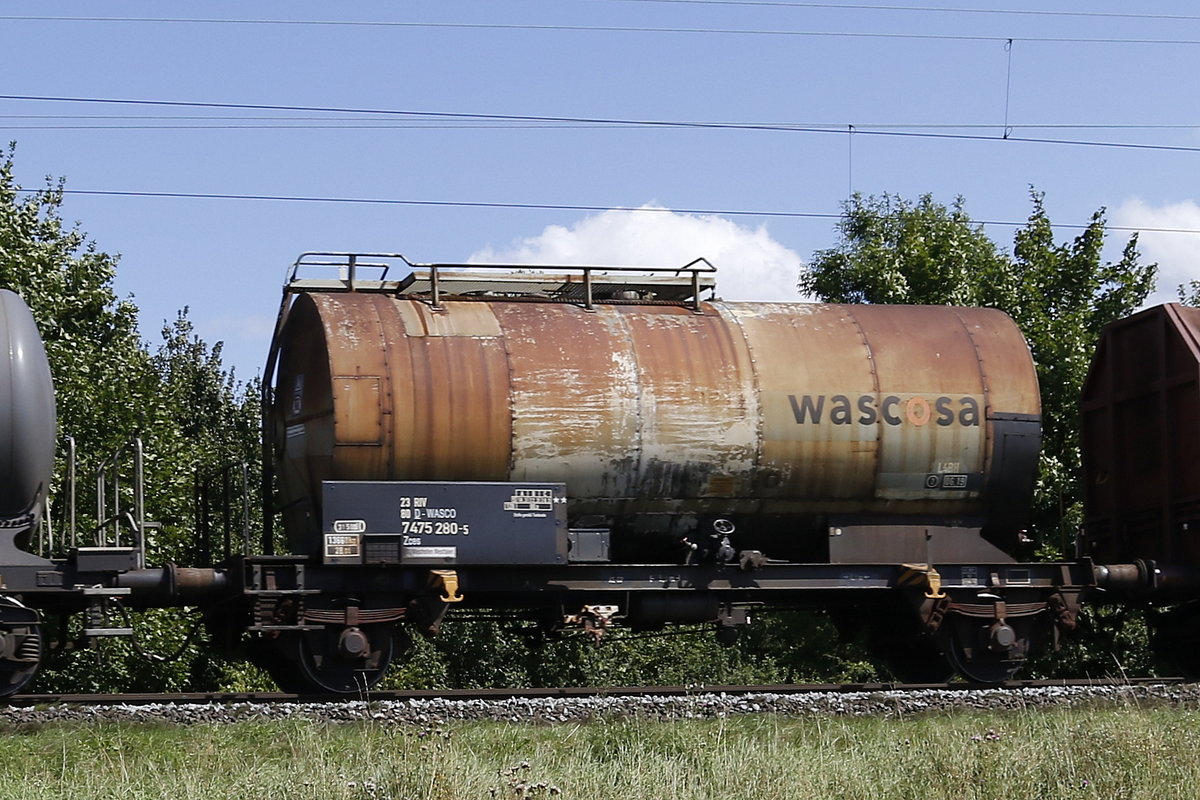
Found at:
(1124, 753)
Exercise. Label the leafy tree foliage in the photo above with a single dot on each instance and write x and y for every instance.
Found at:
(894, 250)
(111, 388)
(205, 419)
(1189, 293)
(794, 646)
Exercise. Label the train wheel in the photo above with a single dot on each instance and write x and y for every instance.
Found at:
(20, 645)
(986, 650)
(336, 659)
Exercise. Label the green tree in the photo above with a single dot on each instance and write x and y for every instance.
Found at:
(894, 250)
(205, 421)
(1062, 296)
(110, 388)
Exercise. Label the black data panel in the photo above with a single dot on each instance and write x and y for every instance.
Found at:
(432, 522)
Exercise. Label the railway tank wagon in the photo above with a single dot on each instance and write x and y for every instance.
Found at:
(596, 446)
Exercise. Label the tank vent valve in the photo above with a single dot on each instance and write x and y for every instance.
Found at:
(725, 551)
(699, 549)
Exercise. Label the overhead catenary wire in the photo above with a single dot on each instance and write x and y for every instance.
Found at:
(120, 121)
(636, 29)
(649, 123)
(460, 119)
(931, 9)
(545, 207)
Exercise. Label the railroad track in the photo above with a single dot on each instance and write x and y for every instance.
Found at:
(217, 698)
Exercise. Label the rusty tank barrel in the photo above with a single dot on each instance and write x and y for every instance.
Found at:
(656, 414)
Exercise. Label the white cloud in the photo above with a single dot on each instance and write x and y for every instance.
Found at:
(750, 264)
(1177, 254)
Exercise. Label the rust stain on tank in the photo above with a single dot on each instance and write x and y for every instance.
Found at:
(810, 351)
(404, 403)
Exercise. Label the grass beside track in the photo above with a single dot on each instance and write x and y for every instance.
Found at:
(1123, 753)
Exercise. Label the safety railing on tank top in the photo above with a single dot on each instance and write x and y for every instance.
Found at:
(584, 284)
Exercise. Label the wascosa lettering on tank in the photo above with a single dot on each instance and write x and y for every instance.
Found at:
(867, 409)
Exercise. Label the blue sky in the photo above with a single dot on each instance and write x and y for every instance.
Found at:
(890, 72)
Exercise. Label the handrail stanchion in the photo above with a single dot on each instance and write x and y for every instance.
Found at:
(139, 494)
(245, 509)
(100, 506)
(225, 517)
(136, 517)
(71, 489)
(116, 498)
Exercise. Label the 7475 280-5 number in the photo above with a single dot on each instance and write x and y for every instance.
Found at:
(429, 528)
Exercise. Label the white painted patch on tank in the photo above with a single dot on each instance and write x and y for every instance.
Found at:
(773, 310)
(574, 406)
(347, 331)
(690, 437)
(343, 330)
(696, 407)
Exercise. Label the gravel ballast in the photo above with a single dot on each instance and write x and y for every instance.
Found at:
(433, 711)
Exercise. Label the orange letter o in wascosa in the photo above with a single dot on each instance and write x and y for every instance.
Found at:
(917, 410)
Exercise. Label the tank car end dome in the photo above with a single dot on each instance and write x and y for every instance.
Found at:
(28, 425)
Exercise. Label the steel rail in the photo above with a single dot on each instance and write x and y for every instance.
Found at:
(219, 698)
